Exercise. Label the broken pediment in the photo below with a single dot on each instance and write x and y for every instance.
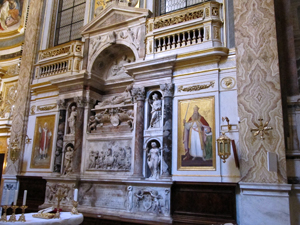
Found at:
(115, 15)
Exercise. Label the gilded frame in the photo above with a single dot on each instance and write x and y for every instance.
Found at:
(38, 159)
(206, 108)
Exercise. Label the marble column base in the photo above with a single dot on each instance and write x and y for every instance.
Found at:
(264, 204)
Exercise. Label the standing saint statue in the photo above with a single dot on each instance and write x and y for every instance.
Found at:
(195, 136)
(45, 136)
(153, 161)
(72, 120)
(155, 112)
(68, 161)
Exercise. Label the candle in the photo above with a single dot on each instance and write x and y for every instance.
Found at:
(16, 197)
(25, 197)
(6, 197)
(75, 194)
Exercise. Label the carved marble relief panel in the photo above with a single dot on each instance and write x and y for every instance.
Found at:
(113, 114)
(109, 155)
(53, 188)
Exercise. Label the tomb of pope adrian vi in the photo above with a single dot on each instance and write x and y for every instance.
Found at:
(152, 111)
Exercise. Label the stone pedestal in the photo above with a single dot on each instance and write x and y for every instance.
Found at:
(264, 204)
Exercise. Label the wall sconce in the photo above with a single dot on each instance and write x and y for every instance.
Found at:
(27, 139)
(14, 150)
(224, 141)
(223, 147)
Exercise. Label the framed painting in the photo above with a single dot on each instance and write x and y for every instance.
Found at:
(196, 134)
(42, 142)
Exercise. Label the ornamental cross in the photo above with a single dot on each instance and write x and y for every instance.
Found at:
(261, 128)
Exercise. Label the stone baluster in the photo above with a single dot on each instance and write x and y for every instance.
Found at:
(173, 42)
(169, 43)
(167, 127)
(200, 38)
(189, 38)
(183, 42)
(164, 44)
(139, 96)
(194, 37)
(159, 45)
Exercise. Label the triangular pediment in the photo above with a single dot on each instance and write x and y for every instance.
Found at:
(115, 15)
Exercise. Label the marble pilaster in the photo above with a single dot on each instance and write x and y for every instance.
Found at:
(60, 136)
(139, 96)
(259, 93)
(78, 134)
(19, 123)
(167, 126)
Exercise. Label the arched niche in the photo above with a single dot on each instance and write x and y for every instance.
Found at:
(108, 66)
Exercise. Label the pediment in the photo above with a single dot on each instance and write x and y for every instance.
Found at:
(115, 15)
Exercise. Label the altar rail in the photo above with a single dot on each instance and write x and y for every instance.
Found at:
(200, 25)
(60, 59)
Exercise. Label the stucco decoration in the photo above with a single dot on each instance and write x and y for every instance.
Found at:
(258, 84)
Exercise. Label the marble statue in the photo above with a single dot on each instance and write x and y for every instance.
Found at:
(72, 120)
(153, 161)
(155, 111)
(68, 161)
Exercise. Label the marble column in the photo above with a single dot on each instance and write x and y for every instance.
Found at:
(259, 97)
(20, 117)
(60, 136)
(78, 134)
(139, 96)
(167, 127)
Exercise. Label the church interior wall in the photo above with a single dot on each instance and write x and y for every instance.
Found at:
(110, 76)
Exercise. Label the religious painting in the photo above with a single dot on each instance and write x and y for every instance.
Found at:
(196, 134)
(42, 142)
(11, 15)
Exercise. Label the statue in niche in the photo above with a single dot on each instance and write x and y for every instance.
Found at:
(68, 161)
(155, 111)
(153, 161)
(72, 120)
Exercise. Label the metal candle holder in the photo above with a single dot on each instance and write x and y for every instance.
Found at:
(13, 215)
(74, 209)
(22, 217)
(4, 217)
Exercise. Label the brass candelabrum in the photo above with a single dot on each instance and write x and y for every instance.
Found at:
(4, 215)
(59, 197)
(13, 215)
(22, 217)
(74, 209)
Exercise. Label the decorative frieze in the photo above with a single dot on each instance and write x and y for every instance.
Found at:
(192, 88)
(46, 107)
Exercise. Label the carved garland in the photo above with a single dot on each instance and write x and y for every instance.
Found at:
(46, 107)
(196, 87)
(179, 19)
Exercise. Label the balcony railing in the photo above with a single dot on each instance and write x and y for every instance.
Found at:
(60, 59)
(180, 31)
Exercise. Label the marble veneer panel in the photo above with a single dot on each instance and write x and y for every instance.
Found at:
(259, 93)
(19, 123)
(264, 204)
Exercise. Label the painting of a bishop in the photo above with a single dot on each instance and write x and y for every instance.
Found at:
(197, 140)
